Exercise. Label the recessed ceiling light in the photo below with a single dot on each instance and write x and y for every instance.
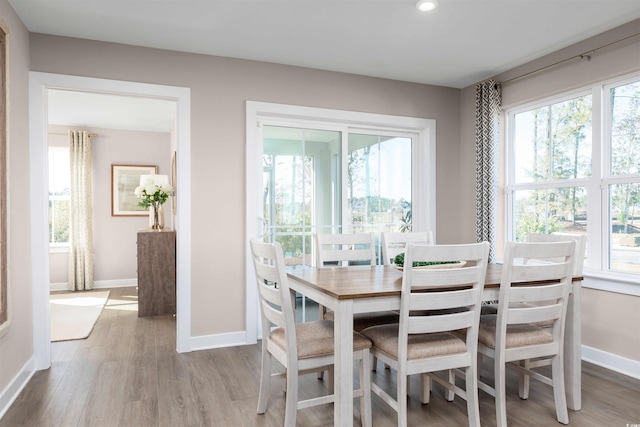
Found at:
(426, 5)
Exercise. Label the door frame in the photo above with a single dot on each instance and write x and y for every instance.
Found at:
(424, 164)
(39, 84)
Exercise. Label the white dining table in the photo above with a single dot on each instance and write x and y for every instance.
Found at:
(364, 289)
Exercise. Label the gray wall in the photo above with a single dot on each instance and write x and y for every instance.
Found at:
(219, 89)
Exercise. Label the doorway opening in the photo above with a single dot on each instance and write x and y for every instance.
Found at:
(40, 86)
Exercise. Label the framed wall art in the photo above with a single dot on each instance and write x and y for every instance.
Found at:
(124, 180)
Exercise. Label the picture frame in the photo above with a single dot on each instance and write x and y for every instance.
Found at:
(5, 317)
(124, 180)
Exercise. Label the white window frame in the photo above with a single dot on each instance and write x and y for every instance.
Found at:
(423, 166)
(595, 270)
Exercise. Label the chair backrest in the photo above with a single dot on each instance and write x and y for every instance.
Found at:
(442, 299)
(581, 246)
(394, 243)
(276, 303)
(345, 248)
(548, 269)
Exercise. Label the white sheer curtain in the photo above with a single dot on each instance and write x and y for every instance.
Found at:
(80, 213)
(488, 107)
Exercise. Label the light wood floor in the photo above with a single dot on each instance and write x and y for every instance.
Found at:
(127, 373)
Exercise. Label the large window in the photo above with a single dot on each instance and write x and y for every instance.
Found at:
(59, 196)
(574, 167)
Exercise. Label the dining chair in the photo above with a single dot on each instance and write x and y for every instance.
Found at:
(519, 331)
(578, 259)
(393, 243)
(443, 340)
(300, 348)
(346, 249)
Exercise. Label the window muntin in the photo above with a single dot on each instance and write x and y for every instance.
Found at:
(59, 196)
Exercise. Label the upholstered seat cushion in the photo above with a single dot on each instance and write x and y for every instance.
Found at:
(420, 346)
(363, 321)
(315, 339)
(517, 335)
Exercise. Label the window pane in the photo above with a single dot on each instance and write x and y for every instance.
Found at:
(625, 129)
(300, 187)
(379, 174)
(549, 211)
(625, 227)
(59, 194)
(553, 142)
(59, 221)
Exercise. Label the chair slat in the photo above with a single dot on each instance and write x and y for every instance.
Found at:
(534, 314)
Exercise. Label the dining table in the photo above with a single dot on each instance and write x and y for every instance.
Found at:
(348, 290)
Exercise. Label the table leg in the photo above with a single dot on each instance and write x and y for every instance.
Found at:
(573, 350)
(343, 372)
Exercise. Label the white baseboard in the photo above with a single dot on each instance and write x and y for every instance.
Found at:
(611, 361)
(207, 342)
(13, 389)
(99, 284)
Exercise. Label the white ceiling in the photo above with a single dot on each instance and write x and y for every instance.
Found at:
(460, 43)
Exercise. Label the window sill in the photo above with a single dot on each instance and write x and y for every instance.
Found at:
(628, 284)
(58, 249)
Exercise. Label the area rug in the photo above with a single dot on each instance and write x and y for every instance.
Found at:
(74, 314)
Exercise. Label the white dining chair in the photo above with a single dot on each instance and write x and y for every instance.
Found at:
(578, 258)
(300, 348)
(393, 243)
(349, 249)
(442, 340)
(530, 321)
(345, 249)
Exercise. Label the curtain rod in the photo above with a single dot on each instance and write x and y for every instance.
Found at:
(92, 135)
(584, 55)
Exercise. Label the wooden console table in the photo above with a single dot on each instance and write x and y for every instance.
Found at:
(156, 272)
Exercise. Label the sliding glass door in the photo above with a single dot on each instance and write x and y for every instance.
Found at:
(314, 182)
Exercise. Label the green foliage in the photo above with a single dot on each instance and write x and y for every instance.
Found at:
(399, 261)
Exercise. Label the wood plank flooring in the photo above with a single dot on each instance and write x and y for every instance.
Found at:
(128, 374)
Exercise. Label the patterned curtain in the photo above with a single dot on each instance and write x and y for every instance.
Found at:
(488, 99)
(80, 214)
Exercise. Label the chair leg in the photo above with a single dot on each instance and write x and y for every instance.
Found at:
(330, 381)
(450, 394)
(402, 380)
(425, 388)
(365, 386)
(524, 381)
(291, 399)
(265, 381)
(500, 393)
(557, 371)
(473, 405)
(374, 363)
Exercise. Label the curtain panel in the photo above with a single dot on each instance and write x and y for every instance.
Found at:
(488, 103)
(80, 213)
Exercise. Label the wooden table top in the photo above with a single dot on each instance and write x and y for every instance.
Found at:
(366, 281)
